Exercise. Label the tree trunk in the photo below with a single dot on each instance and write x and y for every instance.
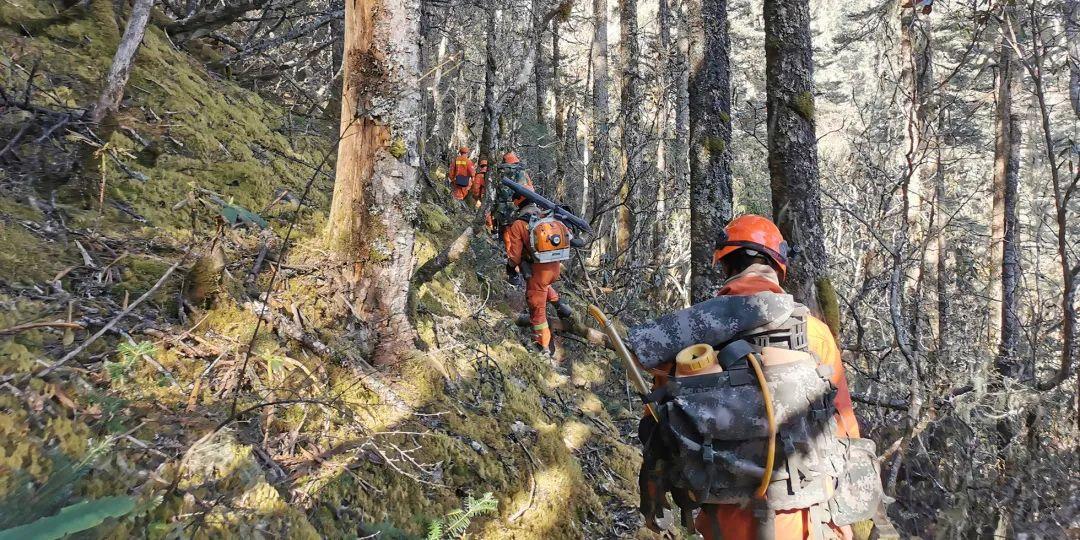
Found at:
(433, 47)
(558, 179)
(793, 159)
(710, 138)
(1008, 363)
(490, 117)
(631, 97)
(337, 60)
(600, 178)
(376, 191)
(542, 78)
(1004, 258)
(1072, 37)
(116, 80)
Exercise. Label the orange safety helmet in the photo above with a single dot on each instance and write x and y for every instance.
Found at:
(510, 158)
(463, 150)
(754, 233)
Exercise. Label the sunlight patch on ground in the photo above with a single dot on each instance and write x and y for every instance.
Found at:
(575, 434)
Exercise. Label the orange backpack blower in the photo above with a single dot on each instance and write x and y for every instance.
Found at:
(549, 239)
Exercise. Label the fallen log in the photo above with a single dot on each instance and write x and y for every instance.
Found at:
(573, 327)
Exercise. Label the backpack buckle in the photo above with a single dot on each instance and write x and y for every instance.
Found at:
(708, 455)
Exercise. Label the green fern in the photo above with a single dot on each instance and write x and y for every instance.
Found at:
(129, 354)
(454, 524)
(72, 519)
(435, 530)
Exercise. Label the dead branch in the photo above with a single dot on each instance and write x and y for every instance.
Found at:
(31, 326)
(204, 23)
(287, 327)
(121, 64)
(108, 326)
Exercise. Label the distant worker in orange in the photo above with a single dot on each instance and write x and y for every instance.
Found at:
(536, 244)
(479, 183)
(755, 257)
(461, 174)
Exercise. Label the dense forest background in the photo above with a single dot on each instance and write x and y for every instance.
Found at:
(237, 292)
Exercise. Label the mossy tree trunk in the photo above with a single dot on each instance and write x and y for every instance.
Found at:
(376, 189)
(793, 158)
(710, 138)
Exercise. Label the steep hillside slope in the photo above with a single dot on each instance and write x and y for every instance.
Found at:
(289, 433)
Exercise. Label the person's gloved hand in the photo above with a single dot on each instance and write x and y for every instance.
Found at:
(513, 276)
(517, 281)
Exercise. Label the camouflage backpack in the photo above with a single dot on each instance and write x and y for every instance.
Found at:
(710, 444)
(505, 208)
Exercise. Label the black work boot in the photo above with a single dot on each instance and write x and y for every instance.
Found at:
(563, 310)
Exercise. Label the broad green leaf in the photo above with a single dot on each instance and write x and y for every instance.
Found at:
(72, 519)
(235, 214)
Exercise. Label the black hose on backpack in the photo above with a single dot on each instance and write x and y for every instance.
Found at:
(770, 456)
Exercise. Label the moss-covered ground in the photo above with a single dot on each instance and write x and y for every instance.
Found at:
(473, 411)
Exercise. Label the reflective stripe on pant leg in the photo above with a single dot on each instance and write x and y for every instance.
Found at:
(536, 297)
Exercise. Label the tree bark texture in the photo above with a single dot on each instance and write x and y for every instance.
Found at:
(1003, 235)
(1011, 331)
(117, 78)
(633, 138)
(490, 115)
(337, 61)
(376, 190)
(793, 159)
(544, 83)
(1072, 38)
(600, 178)
(711, 189)
(558, 179)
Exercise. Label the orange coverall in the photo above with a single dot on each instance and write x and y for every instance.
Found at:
(462, 166)
(479, 181)
(538, 289)
(738, 523)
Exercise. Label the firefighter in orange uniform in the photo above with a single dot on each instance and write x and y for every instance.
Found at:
(461, 174)
(479, 183)
(754, 255)
(536, 245)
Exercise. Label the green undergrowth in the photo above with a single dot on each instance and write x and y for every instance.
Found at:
(479, 412)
